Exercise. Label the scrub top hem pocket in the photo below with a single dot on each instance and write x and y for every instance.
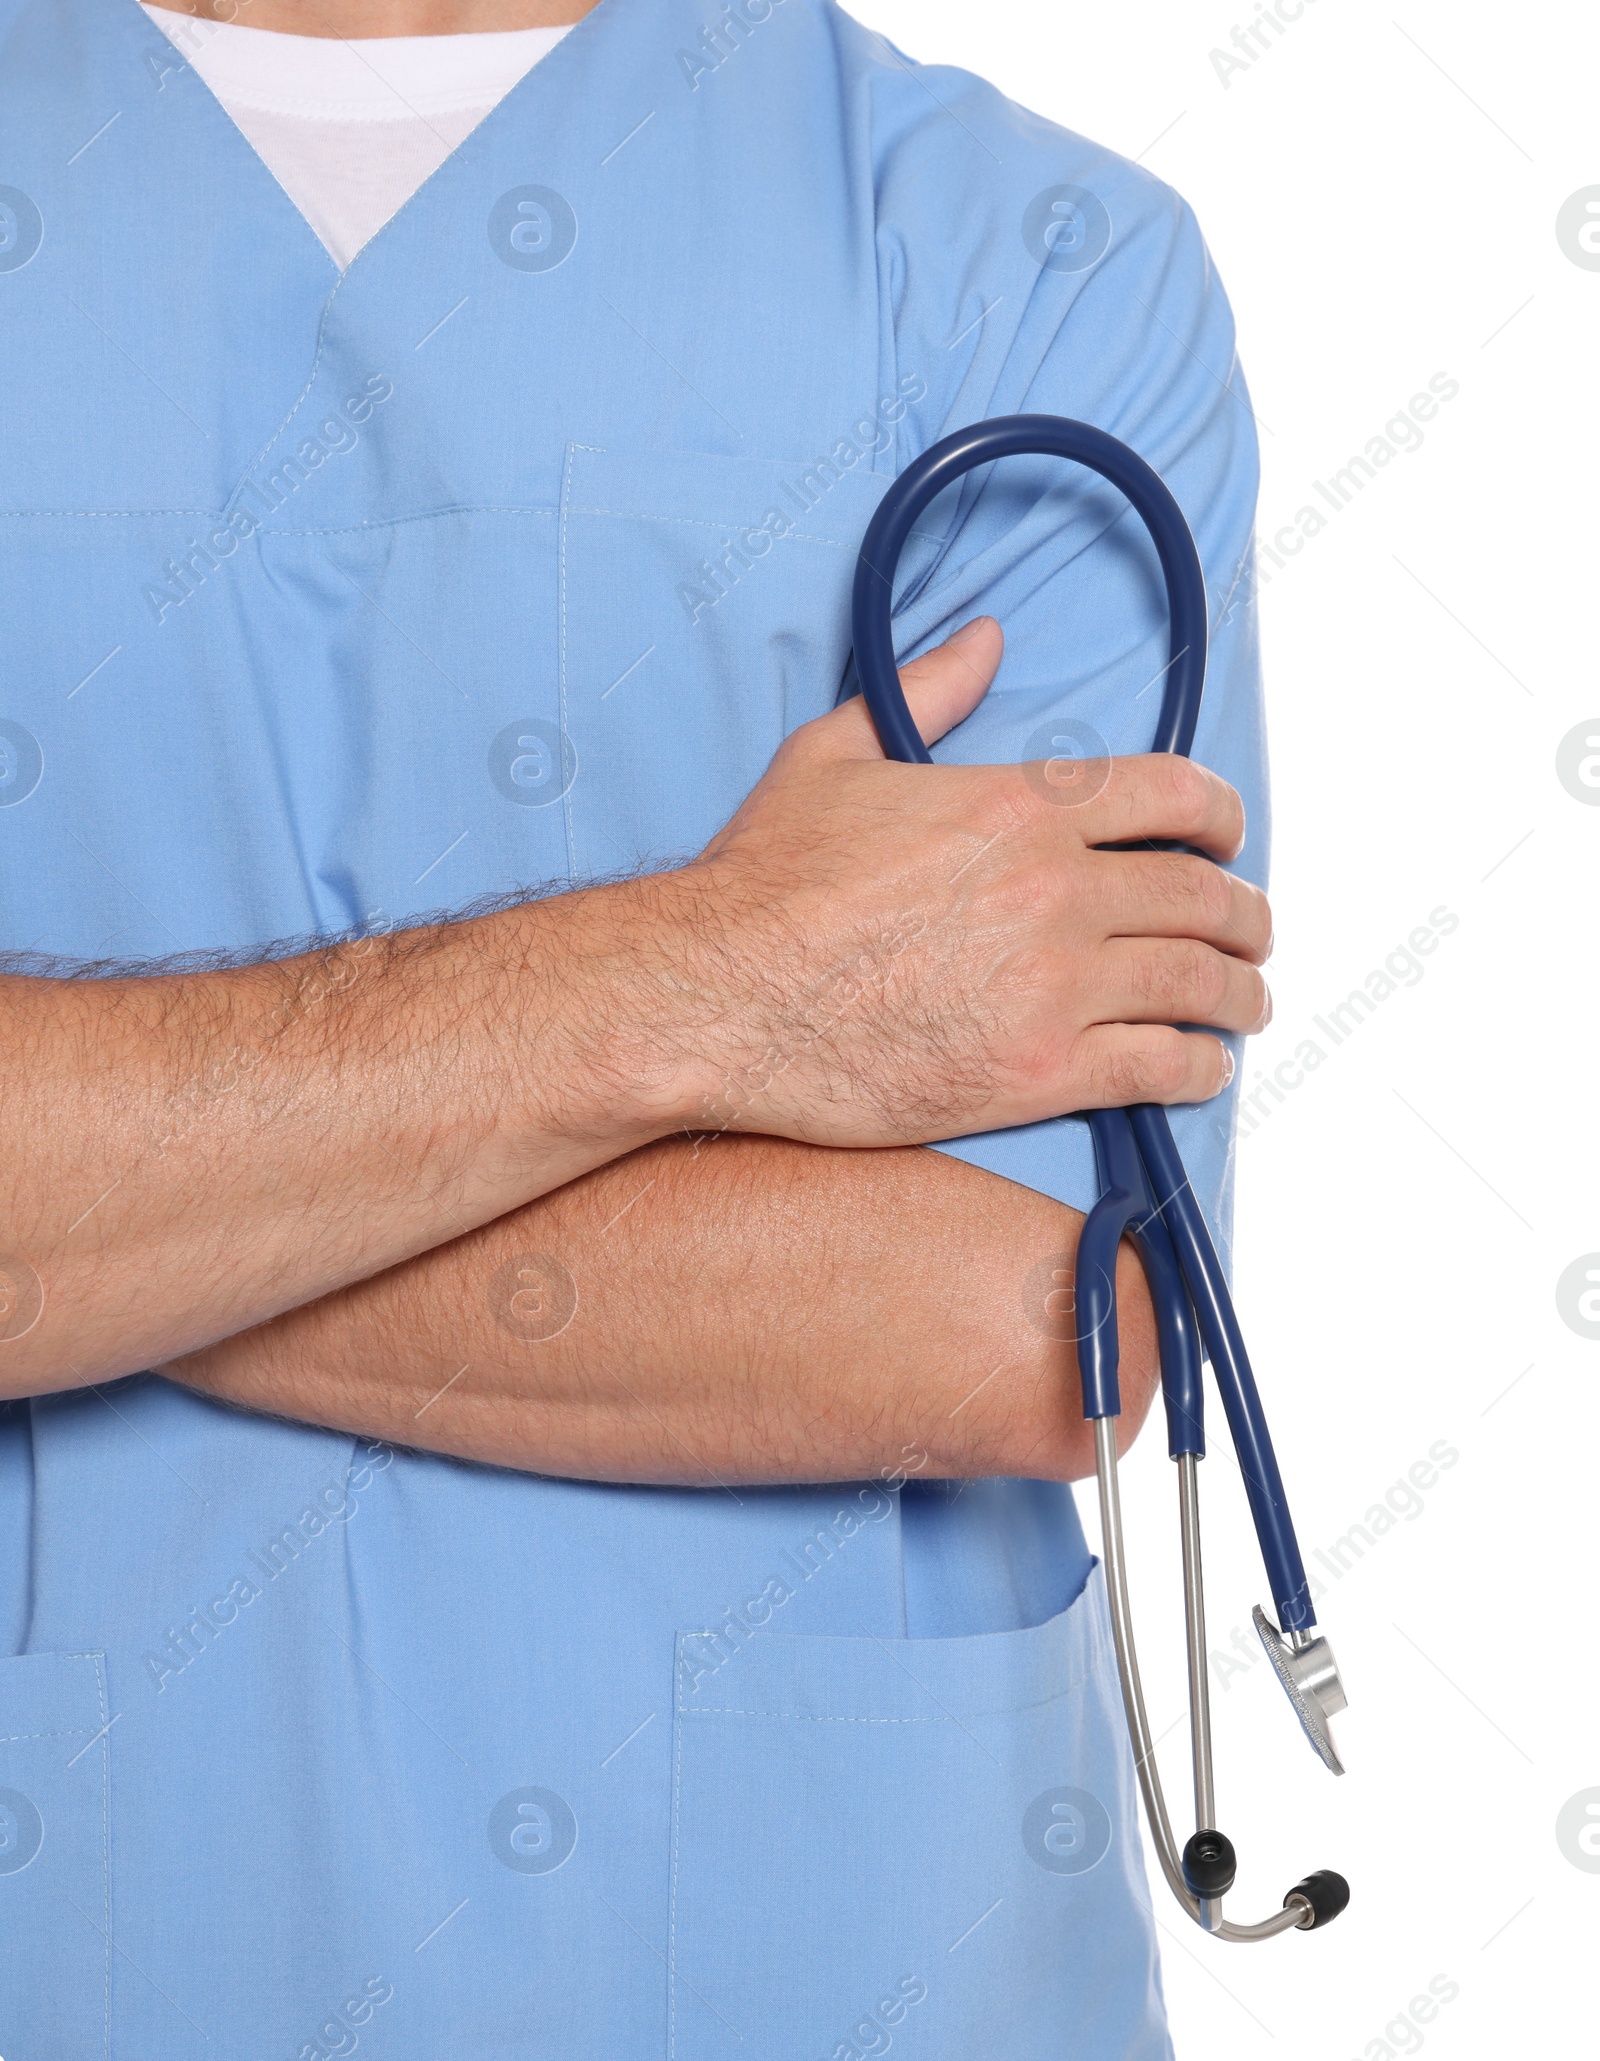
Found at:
(872, 1834)
(55, 1853)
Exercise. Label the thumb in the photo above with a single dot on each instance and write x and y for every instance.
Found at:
(941, 688)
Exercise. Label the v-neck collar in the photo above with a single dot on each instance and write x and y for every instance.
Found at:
(506, 110)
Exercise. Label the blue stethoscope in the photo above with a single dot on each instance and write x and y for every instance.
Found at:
(1144, 1195)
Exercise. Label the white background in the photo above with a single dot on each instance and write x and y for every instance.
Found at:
(1380, 190)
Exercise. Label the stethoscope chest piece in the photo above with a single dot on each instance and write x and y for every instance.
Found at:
(1310, 1678)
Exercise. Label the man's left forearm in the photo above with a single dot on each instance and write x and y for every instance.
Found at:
(742, 1309)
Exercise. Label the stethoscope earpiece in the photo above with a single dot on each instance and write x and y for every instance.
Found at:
(1324, 1895)
(1209, 1864)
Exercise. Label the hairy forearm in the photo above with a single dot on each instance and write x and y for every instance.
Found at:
(869, 955)
(206, 1149)
(717, 1311)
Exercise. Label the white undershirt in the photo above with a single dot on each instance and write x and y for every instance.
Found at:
(351, 130)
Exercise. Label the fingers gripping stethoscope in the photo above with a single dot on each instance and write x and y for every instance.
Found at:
(1145, 1195)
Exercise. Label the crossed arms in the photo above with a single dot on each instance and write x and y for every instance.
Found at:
(361, 1188)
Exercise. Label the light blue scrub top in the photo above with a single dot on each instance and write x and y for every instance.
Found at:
(507, 559)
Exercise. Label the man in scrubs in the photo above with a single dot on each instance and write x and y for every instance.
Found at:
(478, 1002)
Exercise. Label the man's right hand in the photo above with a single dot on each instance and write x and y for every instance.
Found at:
(893, 954)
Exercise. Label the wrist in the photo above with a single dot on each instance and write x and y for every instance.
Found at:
(611, 1009)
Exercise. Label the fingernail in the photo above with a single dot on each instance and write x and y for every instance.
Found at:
(968, 631)
(1227, 1068)
(1267, 1016)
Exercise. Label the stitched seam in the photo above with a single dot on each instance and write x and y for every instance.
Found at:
(24, 1738)
(813, 1718)
(134, 514)
(394, 522)
(299, 403)
(561, 647)
(702, 522)
(672, 1897)
(268, 529)
(809, 1717)
(105, 1830)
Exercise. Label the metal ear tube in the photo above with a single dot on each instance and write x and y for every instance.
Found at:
(1146, 1197)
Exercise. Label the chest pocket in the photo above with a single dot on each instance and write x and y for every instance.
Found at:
(704, 608)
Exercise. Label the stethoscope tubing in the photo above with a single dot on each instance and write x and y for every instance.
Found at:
(1145, 1191)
